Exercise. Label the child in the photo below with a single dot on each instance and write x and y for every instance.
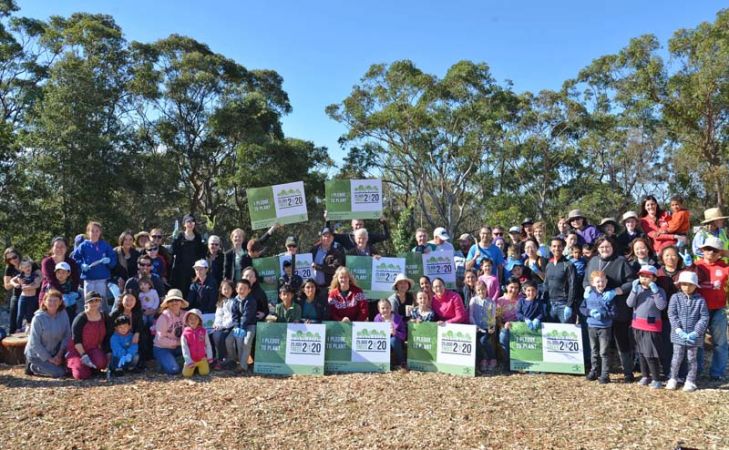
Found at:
(647, 300)
(530, 308)
(244, 322)
(513, 258)
(149, 299)
(124, 353)
(578, 261)
(423, 312)
(517, 271)
(290, 277)
(689, 317)
(482, 313)
(570, 240)
(588, 251)
(28, 282)
(159, 265)
(287, 311)
(599, 314)
(223, 324)
(398, 331)
(493, 290)
(196, 349)
(70, 296)
(679, 223)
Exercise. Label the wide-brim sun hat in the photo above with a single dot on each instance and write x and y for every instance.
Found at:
(688, 277)
(629, 215)
(402, 277)
(174, 294)
(713, 214)
(608, 220)
(575, 214)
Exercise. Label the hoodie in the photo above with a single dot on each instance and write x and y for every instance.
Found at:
(48, 335)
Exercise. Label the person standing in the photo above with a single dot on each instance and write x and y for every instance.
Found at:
(187, 248)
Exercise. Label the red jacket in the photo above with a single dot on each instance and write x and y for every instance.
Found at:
(353, 306)
(713, 283)
(449, 308)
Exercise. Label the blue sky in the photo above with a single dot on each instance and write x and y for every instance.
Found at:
(322, 48)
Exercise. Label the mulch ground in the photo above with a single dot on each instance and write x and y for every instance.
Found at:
(396, 410)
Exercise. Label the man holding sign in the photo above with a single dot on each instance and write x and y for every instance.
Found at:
(348, 241)
(327, 256)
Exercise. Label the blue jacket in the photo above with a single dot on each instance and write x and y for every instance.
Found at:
(607, 311)
(244, 311)
(531, 310)
(122, 345)
(689, 314)
(88, 253)
(203, 296)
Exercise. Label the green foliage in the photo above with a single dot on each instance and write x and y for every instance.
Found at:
(402, 235)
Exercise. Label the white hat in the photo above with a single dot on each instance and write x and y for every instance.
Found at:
(402, 277)
(201, 263)
(648, 269)
(514, 230)
(441, 233)
(195, 311)
(63, 265)
(688, 277)
(174, 294)
(629, 215)
(575, 214)
(712, 242)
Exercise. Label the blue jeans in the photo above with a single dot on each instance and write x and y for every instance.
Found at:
(396, 347)
(556, 313)
(504, 342)
(717, 327)
(26, 307)
(485, 346)
(167, 359)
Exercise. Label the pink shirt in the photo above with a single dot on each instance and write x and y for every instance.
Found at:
(493, 290)
(449, 308)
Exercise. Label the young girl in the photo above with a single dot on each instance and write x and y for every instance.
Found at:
(493, 290)
(648, 300)
(423, 312)
(689, 318)
(482, 313)
(223, 324)
(398, 330)
(124, 352)
(149, 299)
(196, 349)
(28, 282)
(96, 259)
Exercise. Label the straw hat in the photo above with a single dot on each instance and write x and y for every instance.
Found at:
(713, 214)
(402, 277)
(174, 294)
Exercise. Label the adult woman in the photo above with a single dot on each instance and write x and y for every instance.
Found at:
(588, 233)
(216, 260)
(140, 241)
(49, 332)
(506, 307)
(620, 277)
(362, 247)
(539, 232)
(187, 248)
(402, 296)
(57, 254)
(609, 227)
(447, 305)
(641, 254)
(426, 286)
(313, 302)
(96, 259)
(87, 348)
(237, 258)
(128, 305)
(652, 219)
(262, 309)
(12, 269)
(168, 330)
(126, 256)
(534, 261)
(346, 300)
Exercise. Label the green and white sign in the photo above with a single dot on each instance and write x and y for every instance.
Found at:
(357, 347)
(555, 347)
(448, 348)
(353, 199)
(269, 271)
(375, 276)
(440, 264)
(281, 203)
(413, 268)
(208, 321)
(286, 349)
(303, 265)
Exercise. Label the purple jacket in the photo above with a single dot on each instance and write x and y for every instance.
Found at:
(401, 331)
(589, 235)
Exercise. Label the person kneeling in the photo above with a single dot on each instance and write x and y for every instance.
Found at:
(196, 349)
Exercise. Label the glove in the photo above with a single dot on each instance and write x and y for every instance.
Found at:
(588, 290)
(654, 287)
(567, 313)
(682, 334)
(687, 260)
(529, 324)
(608, 296)
(120, 365)
(636, 285)
(128, 357)
(86, 361)
(238, 332)
(692, 336)
(105, 260)
(595, 314)
(534, 267)
(84, 267)
(537, 323)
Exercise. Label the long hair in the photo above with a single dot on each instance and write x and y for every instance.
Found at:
(335, 279)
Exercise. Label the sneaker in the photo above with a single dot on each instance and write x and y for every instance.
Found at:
(592, 376)
(656, 385)
(630, 378)
(644, 381)
(689, 387)
(672, 384)
(27, 369)
(604, 380)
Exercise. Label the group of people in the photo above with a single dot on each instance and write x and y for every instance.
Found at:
(646, 288)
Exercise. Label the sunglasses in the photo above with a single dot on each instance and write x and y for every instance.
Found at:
(498, 234)
(153, 249)
(215, 244)
(143, 265)
(156, 236)
(13, 258)
(291, 245)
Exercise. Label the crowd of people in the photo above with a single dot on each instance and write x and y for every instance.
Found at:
(647, 283)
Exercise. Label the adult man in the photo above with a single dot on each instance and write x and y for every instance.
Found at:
(485, 248)
(327, 257)
(440, 240)
(421, 239)
(560, 283)
(459, 258)
(144, 270)
(347, 240)
(713, 226)
(515, 236)
(713, 276)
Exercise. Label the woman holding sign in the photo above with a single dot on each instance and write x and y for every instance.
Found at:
(363, 248)
(347, 302)
(447, 305)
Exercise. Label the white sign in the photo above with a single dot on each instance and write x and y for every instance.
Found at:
(305, 344)
(384, 272)
(366, 195)
(457, 345)
(290, 199)
(371, 342)
(440, 265)
(303, 265)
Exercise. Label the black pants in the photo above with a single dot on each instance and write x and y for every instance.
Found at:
(12, 328)
(624, 340)
(599, 342)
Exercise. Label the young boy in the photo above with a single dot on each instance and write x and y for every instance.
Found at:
(287, 311)
(588, 251)
(289, 277)
(70, 297)
(124, 353)
(599, 314)
(680, 222)
(530, 308)
(244, 322)
(689, 317)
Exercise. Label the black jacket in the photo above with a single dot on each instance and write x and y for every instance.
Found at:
(203, 296)
(619, 275)
(333, 259)
(560, 282)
